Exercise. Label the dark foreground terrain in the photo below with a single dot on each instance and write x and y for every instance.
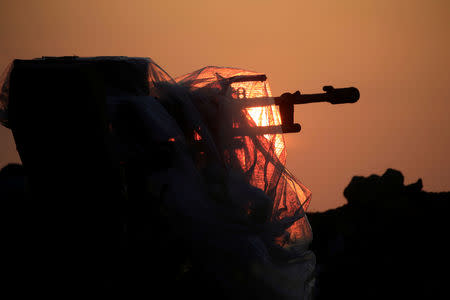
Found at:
(388, 242)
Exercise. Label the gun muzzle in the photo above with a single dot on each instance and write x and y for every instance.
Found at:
(342, 95)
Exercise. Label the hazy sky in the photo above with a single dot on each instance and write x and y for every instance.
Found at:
(396, 52)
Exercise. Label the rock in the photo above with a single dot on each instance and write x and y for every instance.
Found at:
(384, 243)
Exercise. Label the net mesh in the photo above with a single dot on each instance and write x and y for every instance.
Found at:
(4, 95)
(261, 158)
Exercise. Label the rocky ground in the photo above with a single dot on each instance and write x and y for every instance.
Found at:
(388, 242)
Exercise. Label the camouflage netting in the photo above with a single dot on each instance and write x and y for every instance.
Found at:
(4, 95)
(233, 199)
(261, 158)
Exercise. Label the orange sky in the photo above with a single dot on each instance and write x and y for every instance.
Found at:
(397, 52)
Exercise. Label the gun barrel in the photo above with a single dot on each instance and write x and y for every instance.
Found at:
(332, 95)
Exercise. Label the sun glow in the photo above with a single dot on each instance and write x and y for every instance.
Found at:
(263, 116)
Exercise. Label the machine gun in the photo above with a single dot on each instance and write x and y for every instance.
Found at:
(285, 103)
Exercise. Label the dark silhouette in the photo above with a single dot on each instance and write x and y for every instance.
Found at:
(12, 183)
(388, 242)
(69, 229)
(139, 185)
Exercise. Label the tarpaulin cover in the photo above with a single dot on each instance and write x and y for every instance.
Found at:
(232, 193)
